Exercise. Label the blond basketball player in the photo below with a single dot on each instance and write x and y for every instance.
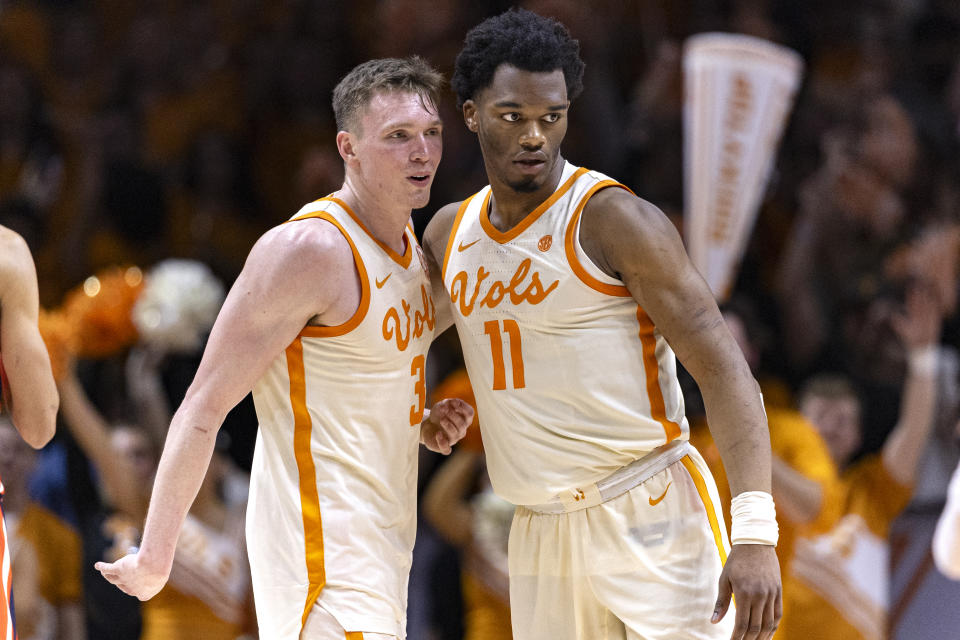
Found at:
(27, 389)
(570, 295)
(328, 325)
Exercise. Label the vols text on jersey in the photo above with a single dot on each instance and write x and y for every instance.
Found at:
(517, 289)
(400, 329)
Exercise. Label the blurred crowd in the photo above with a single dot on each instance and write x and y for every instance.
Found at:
(131, 133)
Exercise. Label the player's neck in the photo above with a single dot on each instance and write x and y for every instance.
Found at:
(384, 220)
(508, 206)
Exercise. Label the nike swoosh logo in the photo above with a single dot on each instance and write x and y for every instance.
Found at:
(464, 247)
(380, 283)
(655, 501)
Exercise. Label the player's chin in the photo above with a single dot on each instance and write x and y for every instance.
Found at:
(526, 184)
(420, 199)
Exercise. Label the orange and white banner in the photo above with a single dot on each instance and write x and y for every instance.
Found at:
(738, 92)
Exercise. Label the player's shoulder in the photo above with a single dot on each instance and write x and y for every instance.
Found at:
(443, 219)
(306, 246)
(437, 232)
(623, 232)
(615, 200)
(613, 211)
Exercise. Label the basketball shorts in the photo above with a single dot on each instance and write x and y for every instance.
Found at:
(635, 556)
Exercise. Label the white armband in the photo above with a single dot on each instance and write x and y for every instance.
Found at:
(753, 519)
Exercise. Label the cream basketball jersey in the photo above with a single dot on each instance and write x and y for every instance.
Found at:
(332, 508)
(572, 380)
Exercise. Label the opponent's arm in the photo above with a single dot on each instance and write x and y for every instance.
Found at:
(294, 273)
(632, 240)
(32, 395)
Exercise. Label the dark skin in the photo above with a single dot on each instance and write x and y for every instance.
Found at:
(520, 120)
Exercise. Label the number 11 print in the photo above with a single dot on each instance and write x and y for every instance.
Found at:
(512, 329)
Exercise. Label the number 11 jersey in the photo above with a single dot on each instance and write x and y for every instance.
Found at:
(572, 379)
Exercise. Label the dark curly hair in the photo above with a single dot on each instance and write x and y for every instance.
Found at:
(523, 39)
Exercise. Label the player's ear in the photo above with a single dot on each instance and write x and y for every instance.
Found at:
(346, 145)
(470, 115)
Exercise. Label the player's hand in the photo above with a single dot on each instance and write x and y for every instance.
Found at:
(752, 576)
(135, 577)
(445, 425)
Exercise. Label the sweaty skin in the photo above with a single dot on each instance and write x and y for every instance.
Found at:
(520, 120)
(296, 275)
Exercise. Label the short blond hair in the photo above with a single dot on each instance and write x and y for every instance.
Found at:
(354, 92)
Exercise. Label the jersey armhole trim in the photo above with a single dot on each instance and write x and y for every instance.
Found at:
(570, 240)
(403, 261)
(453, 234)
(311, 331)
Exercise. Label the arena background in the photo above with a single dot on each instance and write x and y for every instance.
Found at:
(132, 132)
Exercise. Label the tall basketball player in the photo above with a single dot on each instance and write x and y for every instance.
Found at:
(570, 295)
(328, 325)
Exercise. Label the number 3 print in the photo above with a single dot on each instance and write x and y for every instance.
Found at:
(420, 388)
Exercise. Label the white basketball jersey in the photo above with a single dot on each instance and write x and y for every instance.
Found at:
(572, 380)
(332, 508)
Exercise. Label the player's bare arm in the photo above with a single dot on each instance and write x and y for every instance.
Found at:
(447, 422)
(296, 274)
(634, 241)
(435, 238)
(32, 395)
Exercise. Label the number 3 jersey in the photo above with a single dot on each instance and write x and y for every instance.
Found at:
(332, 509)
(572, 379)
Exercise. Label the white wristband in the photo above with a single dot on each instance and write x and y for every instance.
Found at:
(753, 519)
(923, 360)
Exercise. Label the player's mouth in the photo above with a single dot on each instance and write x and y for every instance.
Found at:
(530, 163)
(420, 179)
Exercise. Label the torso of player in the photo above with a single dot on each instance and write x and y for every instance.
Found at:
(344, 403)
(571, 377)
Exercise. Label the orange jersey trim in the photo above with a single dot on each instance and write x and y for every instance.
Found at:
(7, 625)
(453, 233)
(353, 635)
(707, 504)
(569, 247)
(311, 331)
(506, 236)
(651, 367)
(309, 497)
(403, 261)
